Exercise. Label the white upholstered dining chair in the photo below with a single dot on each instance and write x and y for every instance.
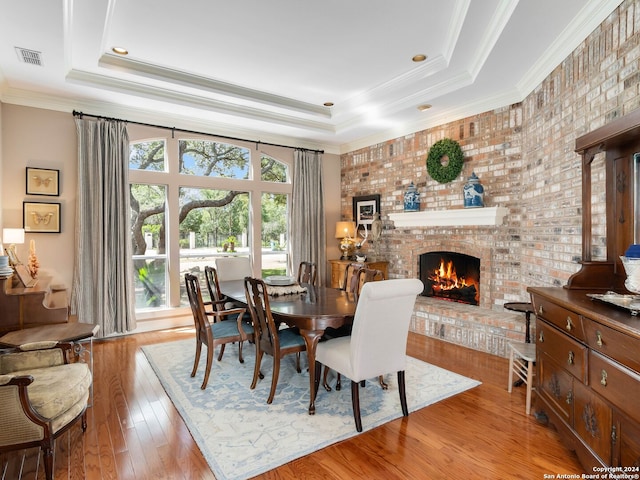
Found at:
(233, 268)
(378, 341)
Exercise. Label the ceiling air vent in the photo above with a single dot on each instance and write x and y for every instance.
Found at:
(29, 56)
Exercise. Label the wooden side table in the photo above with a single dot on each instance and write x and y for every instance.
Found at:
(65, 332)
(527, 309)
(339, 266)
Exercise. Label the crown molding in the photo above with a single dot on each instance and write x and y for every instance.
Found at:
(27, 98)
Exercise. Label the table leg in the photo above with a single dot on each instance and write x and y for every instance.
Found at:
(311, 339)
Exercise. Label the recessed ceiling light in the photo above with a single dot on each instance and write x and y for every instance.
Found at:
(120, 50)
(419, 58)
(328, 104)
(423, 107)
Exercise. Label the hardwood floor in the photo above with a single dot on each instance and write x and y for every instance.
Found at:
(134, 432)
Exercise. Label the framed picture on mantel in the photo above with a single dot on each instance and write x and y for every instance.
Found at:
(365, 208)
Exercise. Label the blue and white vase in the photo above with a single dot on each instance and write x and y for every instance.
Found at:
(411, 199)
(473, 192)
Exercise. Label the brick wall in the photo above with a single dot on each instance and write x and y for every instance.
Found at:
(524, 156)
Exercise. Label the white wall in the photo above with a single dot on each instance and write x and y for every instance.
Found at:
(32, 137)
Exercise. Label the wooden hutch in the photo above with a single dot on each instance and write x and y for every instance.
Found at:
(588, 351)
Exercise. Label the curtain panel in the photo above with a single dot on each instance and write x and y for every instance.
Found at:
(102, 290)
(307, 212)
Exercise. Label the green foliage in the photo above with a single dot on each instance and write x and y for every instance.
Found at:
(147, 155)
(212, 214)
(445, 173)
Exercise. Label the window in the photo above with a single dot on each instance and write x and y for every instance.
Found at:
(193, 200)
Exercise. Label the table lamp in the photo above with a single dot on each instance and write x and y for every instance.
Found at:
(12, 236)
(346, 231)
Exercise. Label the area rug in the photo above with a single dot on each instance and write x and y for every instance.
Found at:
(241, 436)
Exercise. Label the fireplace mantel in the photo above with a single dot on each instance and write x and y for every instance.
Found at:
(455, 217)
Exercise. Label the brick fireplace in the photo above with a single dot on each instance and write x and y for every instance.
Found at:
(486, 326)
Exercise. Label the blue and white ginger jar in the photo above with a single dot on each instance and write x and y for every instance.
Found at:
(473, 192)
(411, 199)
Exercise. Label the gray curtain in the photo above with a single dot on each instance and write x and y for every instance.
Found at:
(307, 212)
(102, 291)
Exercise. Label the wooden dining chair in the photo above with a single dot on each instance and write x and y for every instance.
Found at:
(307, 273)
(374, 347)
(212, 334)
(269, 339)
(218, 301)
(348, 280)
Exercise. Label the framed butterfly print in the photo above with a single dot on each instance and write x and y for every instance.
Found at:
(41, 217)
(42, 181)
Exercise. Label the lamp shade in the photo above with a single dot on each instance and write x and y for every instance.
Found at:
(345, 229)
(13, 235)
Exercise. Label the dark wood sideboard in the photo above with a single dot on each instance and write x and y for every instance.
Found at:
(588, 351)
(588, 385)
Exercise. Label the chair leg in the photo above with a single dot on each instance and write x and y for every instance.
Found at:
(382, 384)
(403, 393)
(324, 379)
(298, 369)
(274, 379)
(318, 370)
(84, 421)
(256, 369)
(355, 401)
(221, 351)
(510, 386)
(197, 360)
(207, 370)
(529, 386)
(338, 383)
(240, 351)
(47, 457)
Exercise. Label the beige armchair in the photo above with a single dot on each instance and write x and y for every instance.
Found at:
(41, 396)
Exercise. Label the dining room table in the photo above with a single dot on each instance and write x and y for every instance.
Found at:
(311, 311)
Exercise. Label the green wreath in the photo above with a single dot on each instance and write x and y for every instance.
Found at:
(441, 173)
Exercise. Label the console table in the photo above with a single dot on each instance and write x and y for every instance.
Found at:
(339, 266)
(22, 307)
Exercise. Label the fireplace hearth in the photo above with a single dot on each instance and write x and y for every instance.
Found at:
(451, 276)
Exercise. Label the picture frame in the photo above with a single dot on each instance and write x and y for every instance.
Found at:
(41, 217)
(43, 181)
(365, 208)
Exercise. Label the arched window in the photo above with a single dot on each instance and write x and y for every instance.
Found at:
(192, 201)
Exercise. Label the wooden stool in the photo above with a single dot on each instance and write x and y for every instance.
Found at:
(521, 361)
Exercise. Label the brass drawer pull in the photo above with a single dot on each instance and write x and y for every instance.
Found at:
(569, 398)
(569, 324)
(541, 337)
(570, 359)
(540, 310)
(603, 378)
(599, 338)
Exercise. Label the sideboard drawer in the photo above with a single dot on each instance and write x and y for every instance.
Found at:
(566, 320)
(593, 421)
(617, 384)
(566, 352)
(613, 344)
(555, 387)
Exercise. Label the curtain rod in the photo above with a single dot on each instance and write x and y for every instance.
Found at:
(174, 129)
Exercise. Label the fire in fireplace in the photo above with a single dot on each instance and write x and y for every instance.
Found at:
(451, 276)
